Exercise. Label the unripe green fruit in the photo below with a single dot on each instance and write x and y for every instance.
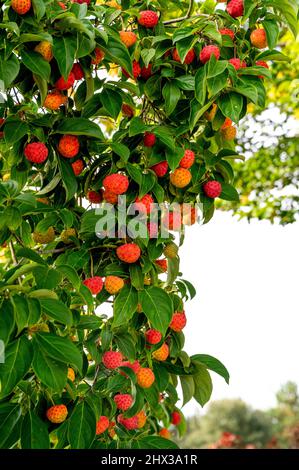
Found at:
(171, 250)
(44, 237)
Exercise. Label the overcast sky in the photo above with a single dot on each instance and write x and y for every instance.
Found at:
(246, 309)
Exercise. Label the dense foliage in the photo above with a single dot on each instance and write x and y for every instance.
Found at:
(161, 131)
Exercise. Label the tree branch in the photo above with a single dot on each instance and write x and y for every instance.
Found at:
(187, 16)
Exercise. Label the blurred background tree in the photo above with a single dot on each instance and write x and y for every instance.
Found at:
(233, 423)
(268, 181)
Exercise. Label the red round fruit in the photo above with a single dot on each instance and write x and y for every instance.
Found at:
(135, 366)
(21, 6)
(235, 8)
(144, 204)
(77, 71)
(149, 139)
(238, 63)
(188, 59)
(146, 72)
(94, 284)
(128, 253)
(102, 425)
(148, 18)
(176, 418)
(36, 152)
(69, 146)
(153, 336)
(116, 183)
(207, 52)
(212, 189)
(94, 197)
(63, 84)
(188, 159)
(136, 70)
(123, 401)
(112, 359)
(178, 321)
(227, 32)
(78, 167)
(160, 169)
(162, 264)
(128, 423)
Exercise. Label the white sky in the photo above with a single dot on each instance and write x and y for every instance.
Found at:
(246, 309)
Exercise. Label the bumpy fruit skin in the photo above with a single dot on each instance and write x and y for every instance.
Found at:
(128, 38)
(227, 123)
(112, 359)
(162, 353)
(258, 38)
(188, 159)
(171, 250)
(148, 18)
(178, 322)
(98, 56)
(146, 72)
(180, 178)
(110, 197)
(207, 52)
(136, 70)
(144, 204)
(71, 374)
(160, 169)
(36, 152)
(188, 59)
(153, 336)
(102, 425)
(21, 6)
(69, 146)
(94, 197)
(54, 100)
(128, 253)
(211, 113)
(78, 167)
(63, 84)
(94, 284)
(176, 418)
(127, 110)
(235, 8)
(116, 183)
(44, 237)
(141, 417)
(113, 284)
(212, 189)
(77, 71)
(165, 433)
(66, 234)
(238, 63)
(123, 401)
(162, 264)
(149, 139)
(45, 49)
(135, 366)
(227, 32)
(57, 414)
(128, 423)
(229, 133)
(145, 377)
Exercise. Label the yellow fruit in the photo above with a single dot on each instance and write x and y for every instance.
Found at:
(229, 133)
(66, 234)
(180, 178)
(211, 113)
(141, 416)
(113, 284)
(44, 237)
(162, 353)
(6, 177)
(45, 49)
(113, 4)
(71, 374)
(54, 100)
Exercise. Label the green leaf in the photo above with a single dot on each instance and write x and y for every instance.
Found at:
(68, 177)
(112, 102)
(188, 388)
(79, 126)
(57, 310)
(201, 85)
(36, 63)
(272, 32)
(64, 51)
(203, 384)
(9, 68)
(51, 373)
(21, 312)
(18, 357)
(216, 67)
(171, 94)
(157, 306)
(59, 348)
(231, 104)
(137, 126)
(82, 426)
(10, 414)
(174, 157)
(46, 278)
(34, 432)
(7, 320)
(126, 345)
(212, 364)
(185, 82)
(71, 274)
(154, 442)
(121, 150)
(229, 193)
(125, 306)
(39, 8)
(14, 130)
(116, 52)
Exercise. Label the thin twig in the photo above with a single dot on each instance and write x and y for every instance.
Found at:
(183, 18)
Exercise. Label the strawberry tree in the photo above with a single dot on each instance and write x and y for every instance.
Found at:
(101, 100)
